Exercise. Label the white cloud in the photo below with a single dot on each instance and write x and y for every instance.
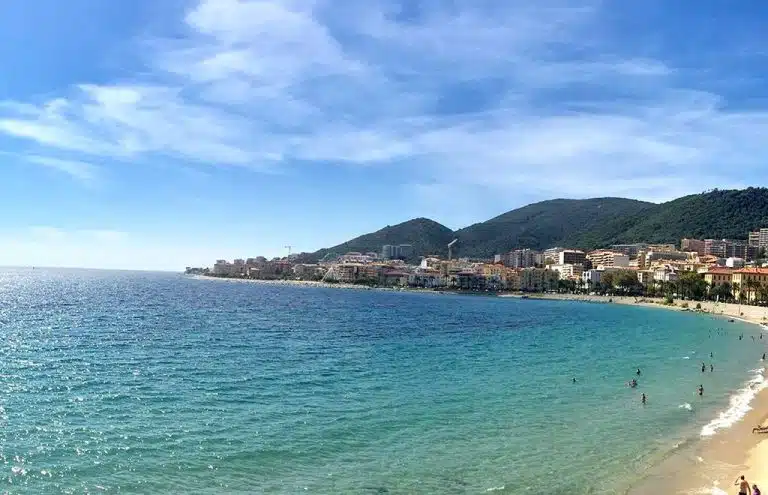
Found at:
(81, 171)
(548, 102)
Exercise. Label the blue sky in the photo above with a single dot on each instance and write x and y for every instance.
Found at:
(155, 135)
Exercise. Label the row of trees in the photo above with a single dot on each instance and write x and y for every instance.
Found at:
(689, 285)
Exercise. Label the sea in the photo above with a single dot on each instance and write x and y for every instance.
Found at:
(130, 382)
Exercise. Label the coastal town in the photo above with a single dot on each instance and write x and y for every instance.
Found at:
(718, 269)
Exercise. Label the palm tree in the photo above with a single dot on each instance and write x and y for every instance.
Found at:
(752, 286)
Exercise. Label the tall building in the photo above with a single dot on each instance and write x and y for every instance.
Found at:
(754, 239)
(692, 245)
(607, 258)
(552, 254)
(402, 251)
(520, 258)
(630, 250)
(571, 257)
(715, 247)
(735, 249)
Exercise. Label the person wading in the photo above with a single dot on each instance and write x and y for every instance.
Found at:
(743, 485)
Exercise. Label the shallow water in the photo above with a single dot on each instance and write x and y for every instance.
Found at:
(155, 383)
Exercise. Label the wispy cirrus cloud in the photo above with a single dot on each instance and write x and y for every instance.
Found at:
(501, 96)
(78, 170)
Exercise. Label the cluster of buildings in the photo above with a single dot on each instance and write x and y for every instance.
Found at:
(719, 261)
(389, 268)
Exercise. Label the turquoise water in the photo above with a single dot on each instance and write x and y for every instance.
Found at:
(156, 383)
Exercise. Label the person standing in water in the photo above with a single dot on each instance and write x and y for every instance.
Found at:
(638, 371)
(743, 485)
(701, 390)
(763, 357)
(711, 368)
(711, 355)
(643, 398)
(703, 367)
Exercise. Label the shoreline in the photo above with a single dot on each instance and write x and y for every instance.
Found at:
(711, 462)
(757, 315)
(729, 449)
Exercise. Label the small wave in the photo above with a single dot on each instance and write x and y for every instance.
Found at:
(738, 407)
(685, 406)
(714, 490)
(495, 488)
(686, 357)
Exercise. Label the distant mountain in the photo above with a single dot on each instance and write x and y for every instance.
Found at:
(579, 223)
(425, 235)
(726, 214)
(558, 222)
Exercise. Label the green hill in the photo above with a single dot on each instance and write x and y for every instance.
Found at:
(558, 222)
(425, 235)
(727, 214)
(579, 223)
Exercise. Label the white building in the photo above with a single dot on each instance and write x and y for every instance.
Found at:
(568, 270)
(734, 262)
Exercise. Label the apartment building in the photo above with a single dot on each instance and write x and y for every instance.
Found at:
(571, 257)
(745, 277)
(569, 271)
(692, 245)
(718, 276)
(538, 279)
(608, 258)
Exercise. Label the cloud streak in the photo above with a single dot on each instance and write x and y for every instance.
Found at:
(78, 170)
(502, 96)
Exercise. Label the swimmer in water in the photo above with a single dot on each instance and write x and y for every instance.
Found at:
(711, 368)
(763, 357)
(638, 371)
(710, 355)
(703, 368)
(643, 399)
(701, 390)
(574, 379)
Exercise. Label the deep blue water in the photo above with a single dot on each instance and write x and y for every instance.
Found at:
(157, 383)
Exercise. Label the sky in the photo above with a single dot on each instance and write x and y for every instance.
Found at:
(140, 134)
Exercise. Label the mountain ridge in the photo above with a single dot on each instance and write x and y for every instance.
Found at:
(578, 223)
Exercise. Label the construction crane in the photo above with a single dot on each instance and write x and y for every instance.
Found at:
(450, 248)
(289, 249)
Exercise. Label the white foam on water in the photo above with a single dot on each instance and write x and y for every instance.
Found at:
(685, 406)
(495, 488)
(739, 405)
(686, 357)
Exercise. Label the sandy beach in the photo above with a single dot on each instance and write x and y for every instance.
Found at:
(712, 463)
